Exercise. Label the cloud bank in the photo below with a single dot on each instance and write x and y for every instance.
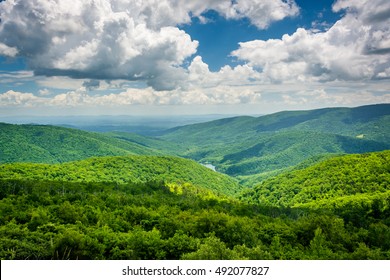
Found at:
(82, 47)
(355, 48)
(117, 39)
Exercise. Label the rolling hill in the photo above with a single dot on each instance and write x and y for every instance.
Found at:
(125, 169)
(245, 146)
(248, 148)
(52, 144)
(163, 146)
(358, 178)
(86, 203)
(100, 209)
(369, 120)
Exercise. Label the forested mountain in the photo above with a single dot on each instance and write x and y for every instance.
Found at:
(125, 169)
(161, 145)
(358, 178)
(369, 120)
(51, 144)
(243, 146)
(313, 191)
(73, 218)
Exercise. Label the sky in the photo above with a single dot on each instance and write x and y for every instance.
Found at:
(175, 57)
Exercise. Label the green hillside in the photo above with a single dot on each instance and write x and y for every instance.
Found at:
(125, 169)
(287, 149)
(328, 183)
(371, 121)
(163, 146)
(81, 218)
(245, 146)
(163, 207)
(51, 144)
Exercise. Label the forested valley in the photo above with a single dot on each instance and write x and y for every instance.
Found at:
(292, 185)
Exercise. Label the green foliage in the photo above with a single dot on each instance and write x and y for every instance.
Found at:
(50, 144)
(263, 146)
(164, 207)
(153, 220)
(212, 248)
(244, 147)
(136, 169)
(165, 147)
(337, 182)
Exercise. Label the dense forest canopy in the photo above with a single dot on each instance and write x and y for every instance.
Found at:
(302, 185)
(247, 148)
(125, 169)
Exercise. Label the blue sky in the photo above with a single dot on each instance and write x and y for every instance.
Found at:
(191, 57)
(221, 36)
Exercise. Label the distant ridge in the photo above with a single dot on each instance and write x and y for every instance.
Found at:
(52, 144)
(243, 146)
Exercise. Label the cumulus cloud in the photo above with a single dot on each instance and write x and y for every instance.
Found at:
(323, 96)
(110, 45)
(149, 96)
(44, 92)
(91, 39)
(199, 75)
(157, 13)
(258, 99)
(261, 13)
(356, 47)
(14, 98)
(7, 51)
(117, 39)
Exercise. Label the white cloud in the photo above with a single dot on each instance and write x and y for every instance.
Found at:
(109, 46)
(73, 98)
(16, 76)
(44, 92)
(8, 51)
(322, 96)
(199, 75)
(157, 13)
(91, 39)
(148, 96)
(244, 99)
(117, 39)
(59, 82)
(262, 12)
(14, 98)
(356, 47)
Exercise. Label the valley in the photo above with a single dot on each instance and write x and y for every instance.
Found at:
(290, 185)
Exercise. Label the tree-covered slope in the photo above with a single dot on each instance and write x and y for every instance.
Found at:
(239, 146)
(245, 146)
(286, 149)
(155, 220)
(125, 169)
(163, 146)
(371, 121)
(334, 182)
(51, 144)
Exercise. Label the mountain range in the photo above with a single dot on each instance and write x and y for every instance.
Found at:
(244, 146)
(291, 185)
(248, 148)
